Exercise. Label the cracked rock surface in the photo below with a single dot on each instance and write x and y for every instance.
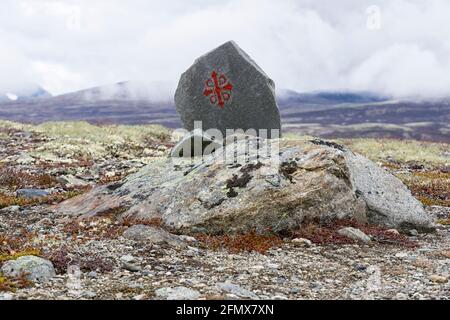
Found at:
(312, 180)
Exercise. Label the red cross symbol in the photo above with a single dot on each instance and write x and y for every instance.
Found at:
(218, 89)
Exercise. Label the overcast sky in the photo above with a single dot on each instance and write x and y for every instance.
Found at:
(397, 47)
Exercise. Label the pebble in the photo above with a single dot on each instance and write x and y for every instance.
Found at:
(236, 290)
(177, 293)
(401, 296)
(131, 267)
(127, 258)
(401, 255)
(6, 296)
(302, 242)
(354, 234)
(393, 231)
(438, 279)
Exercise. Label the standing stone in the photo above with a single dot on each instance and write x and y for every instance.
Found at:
(225, 89)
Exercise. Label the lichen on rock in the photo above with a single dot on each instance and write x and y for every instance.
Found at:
(309, 181)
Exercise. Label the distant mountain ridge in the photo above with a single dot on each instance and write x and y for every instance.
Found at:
(325, 114)
(331, 97)
(25, 92)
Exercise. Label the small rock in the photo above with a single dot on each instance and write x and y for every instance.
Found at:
(393, 231)
(359, 267)
(187, 239)
(438, 279)
(140, 297)
(45, 222)
(236, 290)
(143, 233)
(279, 297)
(32, 193)
(131, 267)
(12, 209)
(92, 274)
(25, 159)
(119, 295)
(401, 296)
(258, 268)
(302, 242)
(6, 296)
(177, 293)
(401, 255)
(89, 294)
(35, 268)
(70, 181)
(413, 232)
(127, 258)
(354, 234)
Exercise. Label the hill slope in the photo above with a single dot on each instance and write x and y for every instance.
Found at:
(326, 114)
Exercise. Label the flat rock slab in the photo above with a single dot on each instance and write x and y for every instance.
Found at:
(313, 180)
(226, 89)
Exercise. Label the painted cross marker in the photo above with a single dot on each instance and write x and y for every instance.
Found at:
(218, 89)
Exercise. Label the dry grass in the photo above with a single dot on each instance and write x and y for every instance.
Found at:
(430, 187)
(403, 151)
(13, 284)
(8, 200)
(15, 179)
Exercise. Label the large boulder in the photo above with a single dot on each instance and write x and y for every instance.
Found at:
(311, 180)
(32, 267)
(226, 89)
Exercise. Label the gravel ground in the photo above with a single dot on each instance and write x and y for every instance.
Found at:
(105, 265)
(356, 271)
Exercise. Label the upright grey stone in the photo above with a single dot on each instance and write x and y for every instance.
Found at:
(226, 89)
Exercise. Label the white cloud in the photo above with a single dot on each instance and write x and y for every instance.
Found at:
(303, 45)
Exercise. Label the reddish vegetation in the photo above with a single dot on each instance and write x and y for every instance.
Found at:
(154, 222)
(62, 258)
(15, 179)
(327, 233)
(14, 244)
(432, 188)
(238, 243)
(94, 228)
(77, 163)
(13, 284)
(8, 200)
(318, 233)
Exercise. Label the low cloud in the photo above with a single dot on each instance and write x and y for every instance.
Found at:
(400, 48)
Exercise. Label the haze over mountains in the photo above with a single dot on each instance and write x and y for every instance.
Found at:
(23, 92)
(325, 114)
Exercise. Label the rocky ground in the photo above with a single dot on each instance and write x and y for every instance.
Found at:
(94, 259)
